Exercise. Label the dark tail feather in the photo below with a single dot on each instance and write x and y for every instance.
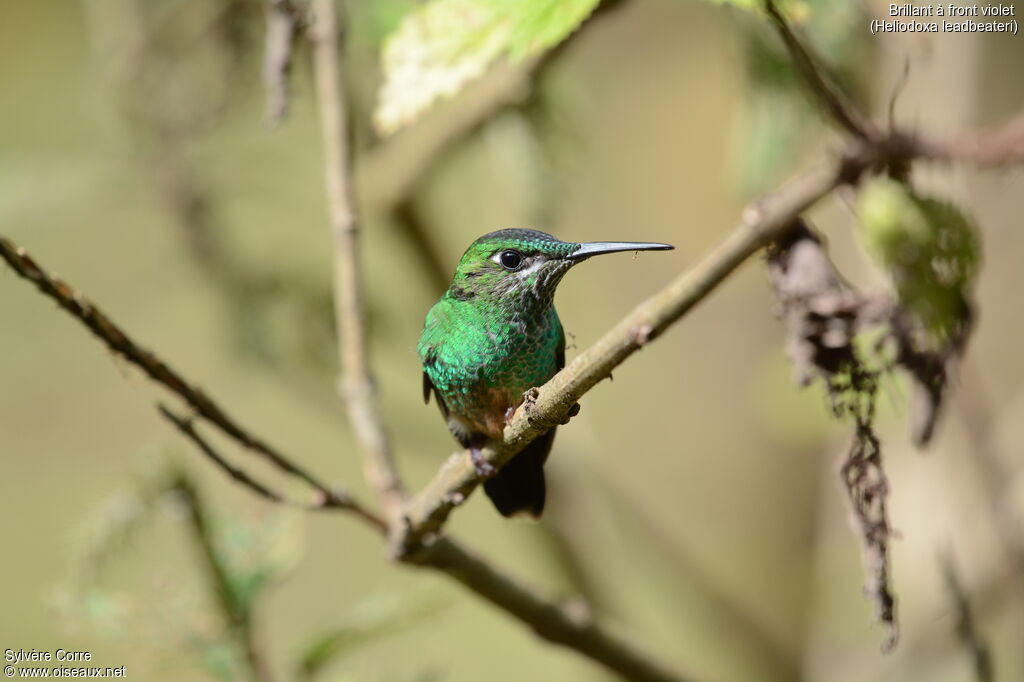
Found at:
(519, 485)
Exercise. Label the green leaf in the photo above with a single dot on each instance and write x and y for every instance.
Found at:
(445, 44)
(929, 247)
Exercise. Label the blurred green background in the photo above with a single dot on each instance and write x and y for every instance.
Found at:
(695, 500)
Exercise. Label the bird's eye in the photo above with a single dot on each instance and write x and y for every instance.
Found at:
(510, 260)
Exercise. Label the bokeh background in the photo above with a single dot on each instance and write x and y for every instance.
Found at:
(695, 500)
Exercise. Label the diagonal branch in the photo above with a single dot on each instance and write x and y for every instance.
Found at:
(966, 629)
(240, 476)
(831, 98)
(557, 623)
(156, 369)
(569, 624)
(765, 221)
(243, 478)
(551, 404)
(356, 383)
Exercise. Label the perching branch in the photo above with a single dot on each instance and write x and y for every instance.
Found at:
(548, 405)
(551, 404)
(355, 384)
(557, 623)
(764, 222)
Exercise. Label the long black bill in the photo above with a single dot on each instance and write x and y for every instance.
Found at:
(596, 248)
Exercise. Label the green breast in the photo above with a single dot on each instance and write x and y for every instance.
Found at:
(468, 351)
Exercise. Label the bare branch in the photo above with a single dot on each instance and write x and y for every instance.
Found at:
(551, 404)
(763, 222)
(998, 146)
(282, 19)
(86, 312)
(186, 426)
(841, 111)
(236, 613)
(569, 624)
(356, 383)
(977, 412)
(337, 501)
(981, 657)
(566, 624)
(556, 623)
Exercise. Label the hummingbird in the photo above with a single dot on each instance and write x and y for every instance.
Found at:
(492, 336)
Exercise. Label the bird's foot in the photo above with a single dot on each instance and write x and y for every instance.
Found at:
(484, 469)
(508, 414)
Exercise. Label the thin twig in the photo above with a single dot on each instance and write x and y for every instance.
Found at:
(86, 312)
(283, 23)
(356, 383)
(976, 410)
(242, 477)
(186, 426)
(998, 146)
(237, 614)
(981, 657)
(841, 111)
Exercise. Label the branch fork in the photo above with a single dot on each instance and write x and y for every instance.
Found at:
(414, 524)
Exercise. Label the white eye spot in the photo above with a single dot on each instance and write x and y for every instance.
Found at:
(532, 265)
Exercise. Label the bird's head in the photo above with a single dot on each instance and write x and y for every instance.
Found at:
(525, 266)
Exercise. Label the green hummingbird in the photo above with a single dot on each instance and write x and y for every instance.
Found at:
(492, 336)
